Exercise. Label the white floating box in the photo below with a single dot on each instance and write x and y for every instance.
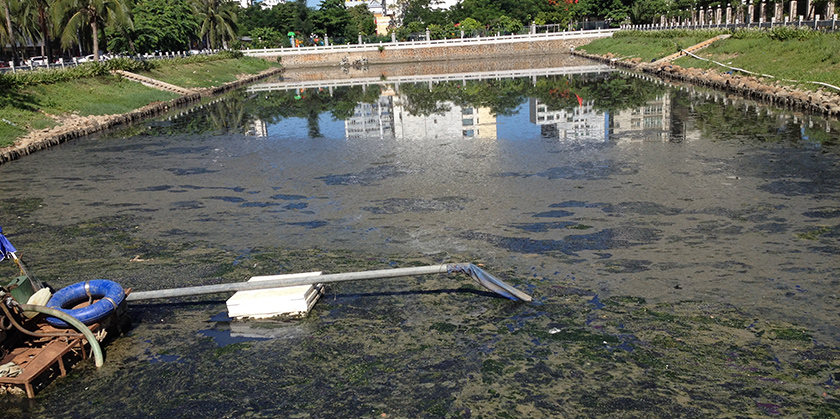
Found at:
(286, 302)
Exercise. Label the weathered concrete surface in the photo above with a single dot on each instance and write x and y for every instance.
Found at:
(459, 52)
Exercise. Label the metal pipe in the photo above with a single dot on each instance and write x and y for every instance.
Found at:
(94, 344)
(309, 280)
(285, 282)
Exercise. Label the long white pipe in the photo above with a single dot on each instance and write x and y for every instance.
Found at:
(302, 280)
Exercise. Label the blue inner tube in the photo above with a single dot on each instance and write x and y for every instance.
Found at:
(109, 293)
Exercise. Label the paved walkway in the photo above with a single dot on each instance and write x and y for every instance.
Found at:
(692, 48)
(157, 84)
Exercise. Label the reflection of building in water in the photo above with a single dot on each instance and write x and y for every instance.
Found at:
(651, 121)
(257, 128)
(453, 122)
(580, 123)
(478, 123)
(372, 119)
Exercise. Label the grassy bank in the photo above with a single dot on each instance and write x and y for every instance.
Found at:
(797, 54)
(41, 100)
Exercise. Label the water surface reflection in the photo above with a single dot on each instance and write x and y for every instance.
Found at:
(600, 181)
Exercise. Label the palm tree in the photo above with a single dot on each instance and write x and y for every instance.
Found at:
(218, 21)
(96, 13)
(9, 33)
(42, 7)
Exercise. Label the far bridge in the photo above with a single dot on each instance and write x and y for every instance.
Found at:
(431, 50)
(432, 78)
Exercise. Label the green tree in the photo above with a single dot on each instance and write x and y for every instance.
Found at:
(332, 19)
(40, 10)
(164, 25)
(266, 38)
(362, 20)
(76, 14)
(506, 24)
(470, 25)
(217, 21)
(646, 11)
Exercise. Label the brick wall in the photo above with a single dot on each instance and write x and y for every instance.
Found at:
(462, 52)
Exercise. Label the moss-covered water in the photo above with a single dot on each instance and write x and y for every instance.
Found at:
(678, 270)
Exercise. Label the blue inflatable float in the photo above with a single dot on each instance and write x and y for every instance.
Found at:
(108, 293)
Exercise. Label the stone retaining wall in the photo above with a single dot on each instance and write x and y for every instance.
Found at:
(89, 125)
(763, 89)
(459, 52)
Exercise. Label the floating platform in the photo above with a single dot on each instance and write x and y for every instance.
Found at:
(284, 302)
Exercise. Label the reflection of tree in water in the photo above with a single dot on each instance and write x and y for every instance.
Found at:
(607, 92)
(222, 116)
(314, 128)
(274, 106)
(740, 120)
(231, 114)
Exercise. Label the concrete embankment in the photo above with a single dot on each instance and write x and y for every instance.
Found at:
(80, 126)
(763, 89)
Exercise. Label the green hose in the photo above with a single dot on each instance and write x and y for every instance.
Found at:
(72, 321)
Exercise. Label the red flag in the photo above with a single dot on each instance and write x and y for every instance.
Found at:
(580, 101)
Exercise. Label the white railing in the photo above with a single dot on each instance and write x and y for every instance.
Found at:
(816, 24)
(62, 63)
(436, 43)
(434, 78)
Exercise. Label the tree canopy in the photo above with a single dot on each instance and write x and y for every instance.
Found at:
(141, 26)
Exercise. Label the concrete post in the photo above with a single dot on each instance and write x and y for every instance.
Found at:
(702, 17)
(792, 9)
(428, 35)
(360, 39)
(762, 12)
(326, 40)
(809, 10)
(728, 14)
(779, 11)
(750, 17)
(394, 36)
(718, 15)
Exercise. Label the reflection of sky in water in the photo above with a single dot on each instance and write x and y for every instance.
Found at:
(517, 126)
(329, 127)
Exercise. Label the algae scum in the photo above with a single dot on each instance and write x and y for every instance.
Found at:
(681, 247)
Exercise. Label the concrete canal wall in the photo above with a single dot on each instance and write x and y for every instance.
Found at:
(385, 55)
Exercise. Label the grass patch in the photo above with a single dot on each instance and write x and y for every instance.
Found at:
(783, 53)
(28, 109)
(95, 96)
(28, 103)
(637, 44)
(208, 74)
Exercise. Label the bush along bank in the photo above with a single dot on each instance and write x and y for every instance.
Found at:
(43, 139)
